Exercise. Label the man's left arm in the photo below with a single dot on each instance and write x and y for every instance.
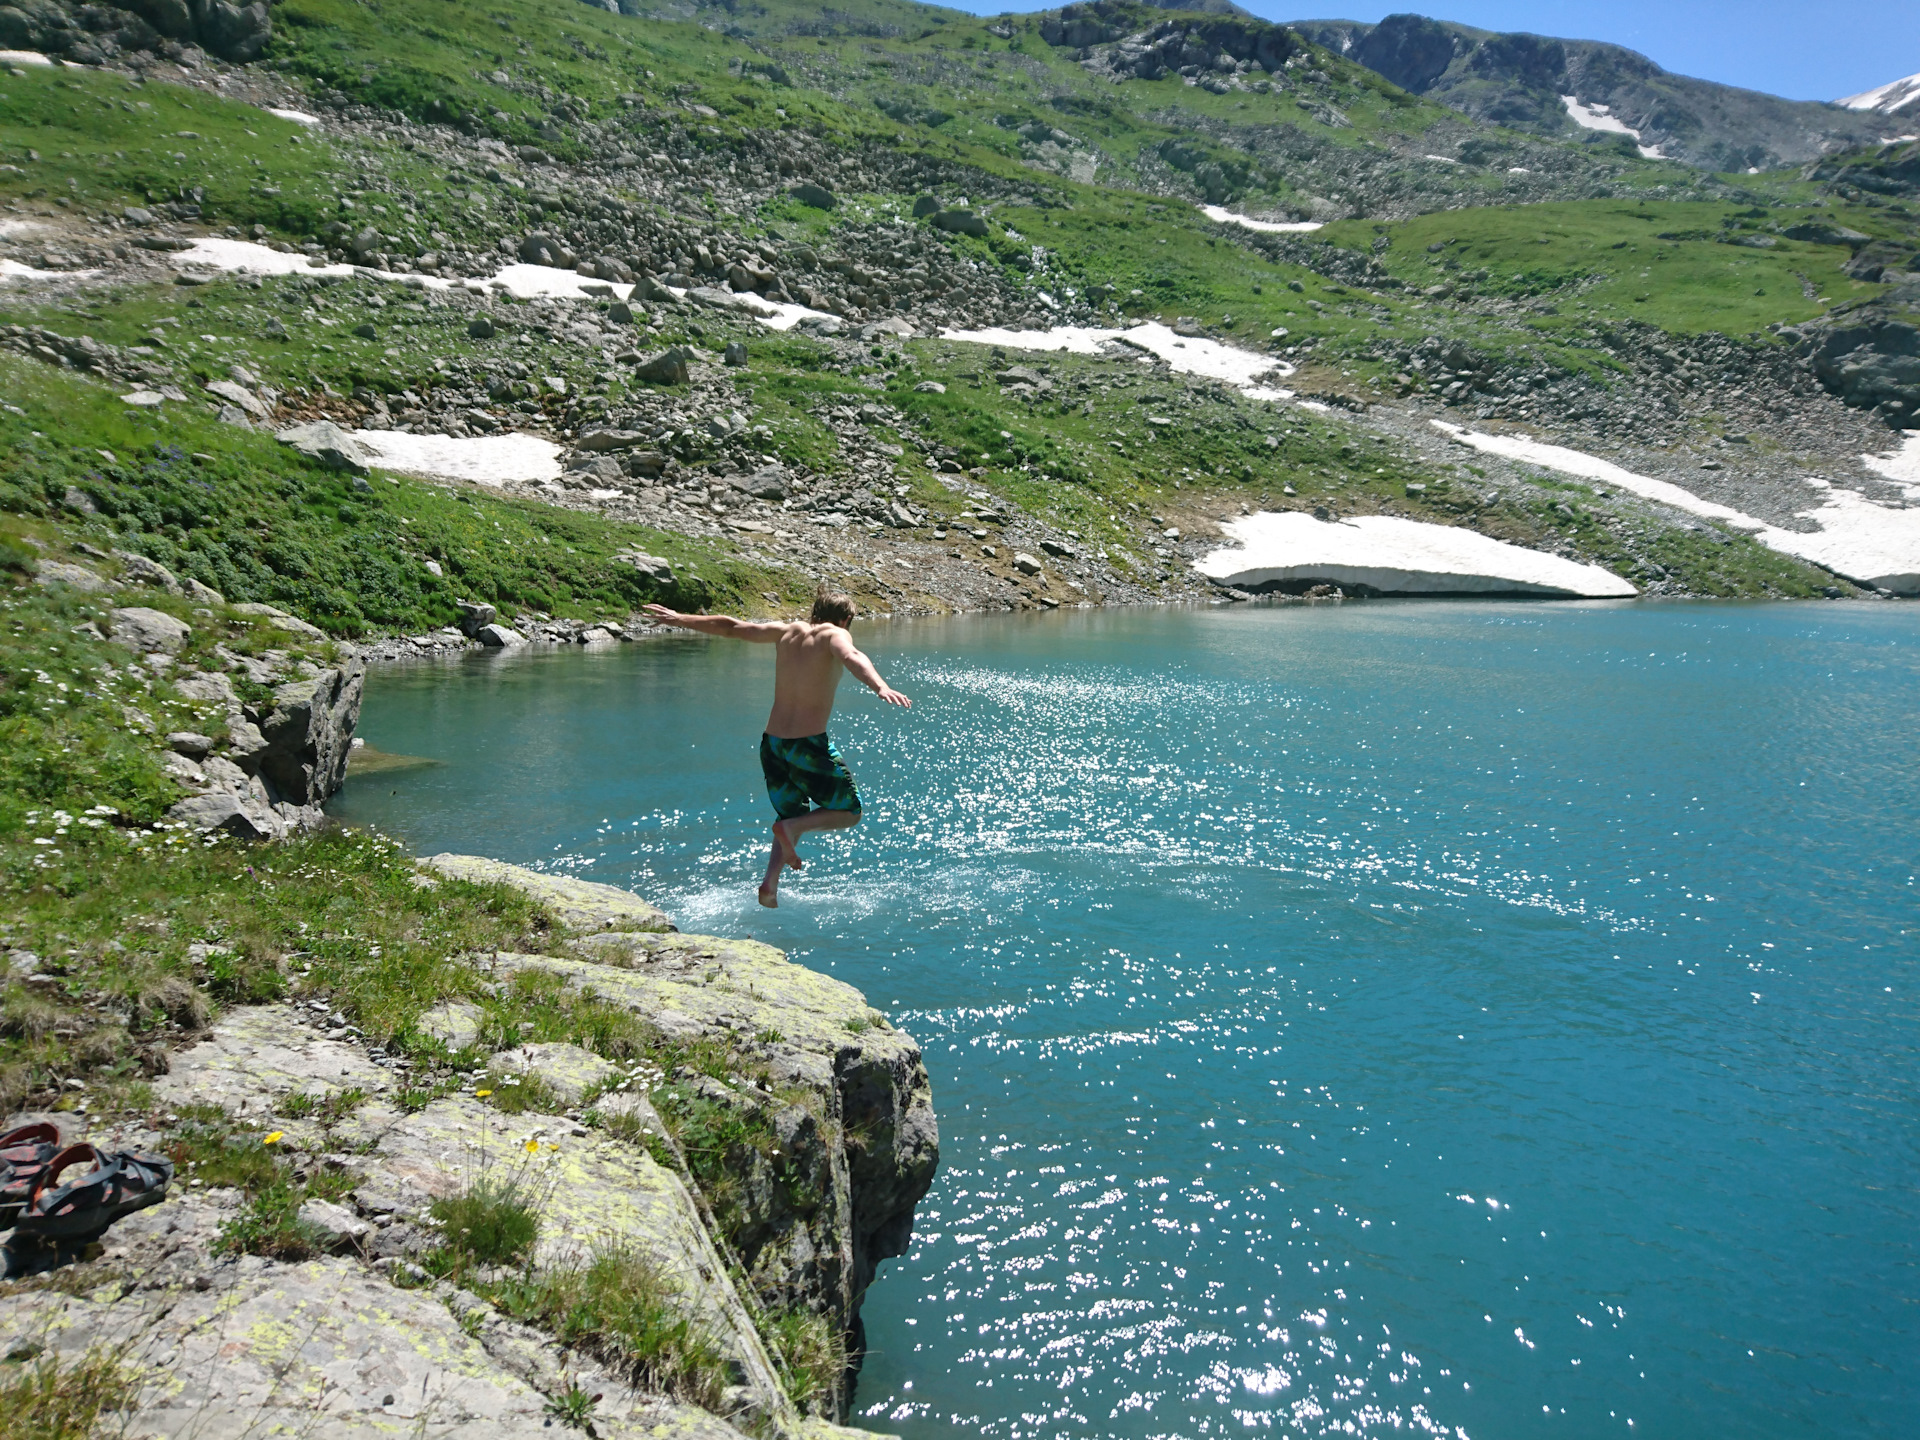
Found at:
(862, 669)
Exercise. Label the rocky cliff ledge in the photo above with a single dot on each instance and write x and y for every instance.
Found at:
(667, 1230)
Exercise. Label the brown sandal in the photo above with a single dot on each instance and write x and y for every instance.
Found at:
(116, 1185)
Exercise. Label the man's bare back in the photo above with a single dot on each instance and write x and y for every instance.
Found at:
(810, 785)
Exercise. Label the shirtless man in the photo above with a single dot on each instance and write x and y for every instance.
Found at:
(801, 764)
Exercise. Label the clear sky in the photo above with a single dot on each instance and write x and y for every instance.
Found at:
(1803, 49)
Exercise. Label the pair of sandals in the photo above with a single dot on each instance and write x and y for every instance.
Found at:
(110, 1185)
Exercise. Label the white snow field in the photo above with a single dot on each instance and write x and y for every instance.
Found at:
(1188, 354)
(23, 58)
(1225, 216)
(1600, 117)
(1902, 466)
(1398, 557)
(299, 117)
(479, 459)
(1888, 99)
(1866, 543)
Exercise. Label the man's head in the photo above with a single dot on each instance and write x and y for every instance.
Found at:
(830, 607)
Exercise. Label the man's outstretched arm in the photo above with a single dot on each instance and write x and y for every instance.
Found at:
(724, 626)
(861, 668)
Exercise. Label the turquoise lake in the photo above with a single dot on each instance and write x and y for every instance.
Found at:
(1479, 1019)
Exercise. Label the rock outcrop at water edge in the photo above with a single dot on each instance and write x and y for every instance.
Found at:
(748, 1200)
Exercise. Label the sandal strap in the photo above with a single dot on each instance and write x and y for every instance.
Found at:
(50, 1198)
(117, 1176)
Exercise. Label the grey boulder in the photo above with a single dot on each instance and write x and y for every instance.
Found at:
(499, 637)
(669, 367)
(475, 615)
(146, 631)
(326, 442)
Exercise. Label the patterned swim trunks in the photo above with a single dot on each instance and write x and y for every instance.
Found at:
(803, 769)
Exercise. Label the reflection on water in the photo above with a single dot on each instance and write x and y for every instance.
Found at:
(1479, 1018)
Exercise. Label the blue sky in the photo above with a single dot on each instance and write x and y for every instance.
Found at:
(1803, 49)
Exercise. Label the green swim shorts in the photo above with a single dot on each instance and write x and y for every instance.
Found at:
(803, 769)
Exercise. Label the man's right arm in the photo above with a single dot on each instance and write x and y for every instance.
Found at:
(725, 627)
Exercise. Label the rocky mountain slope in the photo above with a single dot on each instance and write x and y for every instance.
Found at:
(675, 298)
(1565, 87)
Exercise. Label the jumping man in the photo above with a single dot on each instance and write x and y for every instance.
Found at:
(801, 764)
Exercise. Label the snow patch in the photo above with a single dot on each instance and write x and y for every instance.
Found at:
(1597, 117)
(23, 57)
(14, 270)
(1443, 159)
(1601, 117)
(1398, 557)
(1867, 543)
(1187, 354)
(299, 117)
(530, 282)
(1888, 99)
(480, 459)
(1225, 216)
(526, 282)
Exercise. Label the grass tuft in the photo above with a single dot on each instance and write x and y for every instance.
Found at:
(48, 1398)
(496, 1222)
(621, 1307)
(810, 1352)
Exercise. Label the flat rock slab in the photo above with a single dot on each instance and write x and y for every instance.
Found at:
(327, 1350)
(454, 1024)
(256, 1056)
(695, 984)
(592, 1193)
(569, 1070)
(578, 904)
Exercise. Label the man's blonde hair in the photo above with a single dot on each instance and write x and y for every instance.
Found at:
(831, 607)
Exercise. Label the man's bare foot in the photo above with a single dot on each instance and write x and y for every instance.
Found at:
(784, 846)
(770, 896)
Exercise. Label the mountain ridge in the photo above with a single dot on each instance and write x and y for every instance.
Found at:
(1525, 81)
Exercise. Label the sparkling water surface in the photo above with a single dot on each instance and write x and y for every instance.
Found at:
(1485, 1019)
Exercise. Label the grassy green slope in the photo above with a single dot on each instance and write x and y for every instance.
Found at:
(257, 522)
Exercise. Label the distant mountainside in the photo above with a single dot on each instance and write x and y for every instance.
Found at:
(1558, 87)
(1894, 98)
